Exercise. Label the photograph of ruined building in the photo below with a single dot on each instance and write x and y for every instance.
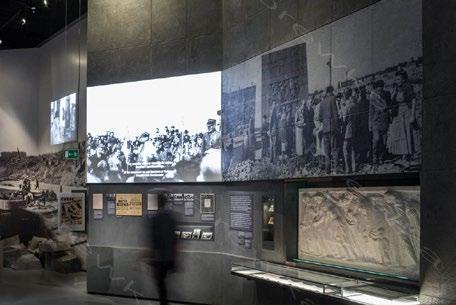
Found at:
(29, 229)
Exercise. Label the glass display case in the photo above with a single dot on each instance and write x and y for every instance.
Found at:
(357, 291)
(268, 222)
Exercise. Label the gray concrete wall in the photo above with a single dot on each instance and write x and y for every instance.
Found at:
(144, 39)
(136, 40)
(19, 72)
(438, 177)
(251, 27)
(31, 79)
(117, 244)
(62, 71)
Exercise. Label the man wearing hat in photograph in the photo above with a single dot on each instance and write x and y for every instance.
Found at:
(379, 104)
(212, 136)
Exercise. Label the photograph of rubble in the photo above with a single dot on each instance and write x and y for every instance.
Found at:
(29, 212)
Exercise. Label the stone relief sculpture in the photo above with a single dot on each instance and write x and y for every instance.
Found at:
(375, 229)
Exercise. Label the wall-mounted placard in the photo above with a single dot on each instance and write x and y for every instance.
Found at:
(152, 202)
(98, 214)
(97, 201)
(241, 212)
(207, 203)
(111, 203)
(129, 205)
(189, 208)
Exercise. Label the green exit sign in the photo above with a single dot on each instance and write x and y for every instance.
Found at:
(72, 154)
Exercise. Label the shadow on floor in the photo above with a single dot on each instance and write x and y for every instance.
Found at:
(51, 288)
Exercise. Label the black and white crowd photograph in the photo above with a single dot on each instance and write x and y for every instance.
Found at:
(178, 141)
(319, 111)
(63, 120)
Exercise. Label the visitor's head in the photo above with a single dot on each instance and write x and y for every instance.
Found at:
(162, 198)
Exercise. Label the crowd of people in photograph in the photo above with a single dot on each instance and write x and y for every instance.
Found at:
(109, 157)
(365, 125)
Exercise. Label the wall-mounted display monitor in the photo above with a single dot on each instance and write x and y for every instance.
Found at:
(160, 130)
(63, 120)
(368, 229)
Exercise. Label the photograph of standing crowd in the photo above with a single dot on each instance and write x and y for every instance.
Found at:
(370, 124)
(63, 120)
(168, 154)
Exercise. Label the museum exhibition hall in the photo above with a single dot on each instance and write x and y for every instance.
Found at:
(227, 152)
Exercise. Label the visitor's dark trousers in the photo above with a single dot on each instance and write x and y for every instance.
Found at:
(378, 146)
(161, 271)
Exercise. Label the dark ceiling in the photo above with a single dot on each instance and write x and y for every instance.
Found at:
(43, 18)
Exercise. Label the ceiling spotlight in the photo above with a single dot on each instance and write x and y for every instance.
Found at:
(23, 21)
(45, 3)
(1, 41)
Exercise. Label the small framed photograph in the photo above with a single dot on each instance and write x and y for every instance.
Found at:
(186, 235)
(189, 197)
(71, 211)
(207, 236)
(207, 203)
(196, 234)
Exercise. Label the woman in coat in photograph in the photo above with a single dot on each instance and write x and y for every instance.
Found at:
(283, 132)
(299, 125)
(317, 132)
(400, 132)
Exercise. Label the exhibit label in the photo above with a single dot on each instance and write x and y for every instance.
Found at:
(241, 212)
(129, 205)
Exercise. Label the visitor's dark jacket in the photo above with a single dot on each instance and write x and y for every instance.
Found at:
(163, 236)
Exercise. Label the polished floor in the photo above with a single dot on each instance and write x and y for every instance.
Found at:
(50, 288)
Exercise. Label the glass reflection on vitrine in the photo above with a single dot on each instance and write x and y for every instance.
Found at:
(268, 221)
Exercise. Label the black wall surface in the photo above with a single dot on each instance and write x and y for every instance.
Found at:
(438, 186)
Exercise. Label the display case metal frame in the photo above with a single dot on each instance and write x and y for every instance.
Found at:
(334, 286)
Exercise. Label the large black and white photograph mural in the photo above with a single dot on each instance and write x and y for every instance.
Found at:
(30, 185)
(63, 120)
(159, 130)
(370, 229)
(343, 99)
